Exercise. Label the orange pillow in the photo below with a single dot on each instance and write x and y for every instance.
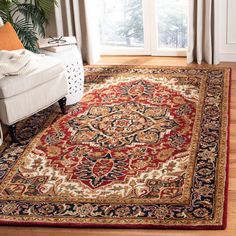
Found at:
(9, 39)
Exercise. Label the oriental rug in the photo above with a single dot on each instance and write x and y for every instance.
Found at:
(146, 147)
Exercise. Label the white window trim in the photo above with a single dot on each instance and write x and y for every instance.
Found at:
(106, 50)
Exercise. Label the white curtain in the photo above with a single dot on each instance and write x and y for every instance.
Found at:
(202, 36)
(79, 18)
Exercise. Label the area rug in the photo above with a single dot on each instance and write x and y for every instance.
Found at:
(146, 147)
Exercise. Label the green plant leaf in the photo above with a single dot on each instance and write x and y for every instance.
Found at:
(35, 15)
(46, 6)
(5, 10)
(26, 34)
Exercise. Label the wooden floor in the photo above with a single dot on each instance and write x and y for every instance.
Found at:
(231, 228)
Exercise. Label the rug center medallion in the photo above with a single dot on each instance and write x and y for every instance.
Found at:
(125, 124)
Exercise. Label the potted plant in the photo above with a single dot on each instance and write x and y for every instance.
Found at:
(28, 17)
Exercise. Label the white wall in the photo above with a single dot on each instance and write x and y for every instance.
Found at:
(227, 30)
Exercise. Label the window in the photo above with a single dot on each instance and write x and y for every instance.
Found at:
(145, 27)
(122, 23)
(171, 27)
(122, 26)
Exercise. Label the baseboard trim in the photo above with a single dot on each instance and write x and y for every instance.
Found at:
(228, 57)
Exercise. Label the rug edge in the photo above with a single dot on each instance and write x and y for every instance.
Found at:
(225, 216)
(113, 226)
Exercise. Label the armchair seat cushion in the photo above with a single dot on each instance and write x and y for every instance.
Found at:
(48, 69)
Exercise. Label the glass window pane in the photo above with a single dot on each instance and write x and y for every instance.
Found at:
(172, 23)
(121, 23)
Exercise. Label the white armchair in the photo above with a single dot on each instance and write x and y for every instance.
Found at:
(24, 95)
